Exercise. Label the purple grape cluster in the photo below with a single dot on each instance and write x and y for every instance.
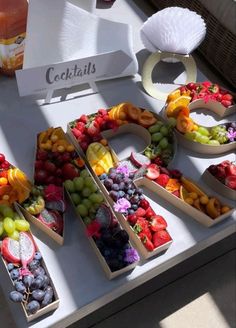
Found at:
(34, 289)
(114, 246)
(120, 186)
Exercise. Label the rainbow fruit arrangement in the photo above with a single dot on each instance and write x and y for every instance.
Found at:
(177, 108)
(174, 182)
(14, 184)
(88, 131)
(129, 200)
(56, 161)
(23, 261)
(101, 224)
(225, 172)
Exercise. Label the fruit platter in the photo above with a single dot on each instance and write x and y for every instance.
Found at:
(217, 139)
(91, 134)
(55, 161)
(32, 286)
(222, 178)
(110, 242)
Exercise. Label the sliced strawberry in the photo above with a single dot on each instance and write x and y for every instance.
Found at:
(145, 233)
(83, 118)
(152, 173)
(93, 129)
(140, 212)
(77, 133)
(149, 213)
(147, 242)
(160, 237)
(157, 223)
(230, 170)
(206, 84)
(80, 126)
(230, 182)
(140, 225)
(144, 204)
(162, 180)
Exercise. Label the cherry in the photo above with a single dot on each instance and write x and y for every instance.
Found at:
(49, 166)
(5, 165)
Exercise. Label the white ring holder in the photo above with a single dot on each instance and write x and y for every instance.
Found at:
(154, 59)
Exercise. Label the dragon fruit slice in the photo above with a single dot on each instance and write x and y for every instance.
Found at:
(27, 248)
(140, 173)
(104, 216)
(11, 250)
(58, 205)
(139, 159)
(52, 219)
(131, 167)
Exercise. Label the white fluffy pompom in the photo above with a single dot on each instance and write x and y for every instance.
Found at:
(173, 29)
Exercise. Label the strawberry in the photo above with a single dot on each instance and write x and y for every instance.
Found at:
(206, 84)
(80, 126)
(152, 173)
(149, 213)
(140, 212)
(147, 243)
(103, 112)
(99, 120)
(93, 129)
(191, 86)
(224, 163)
(157, 223)
(162, 180)
(220, 172)
(214, 88)
(77, 133)
(144, 204)
(140, 225)
(84, 145)
(83, 118)
(160, 237)
(230, 170)
(230, 182)
(226, 103)
(228, 97)
(145, 233)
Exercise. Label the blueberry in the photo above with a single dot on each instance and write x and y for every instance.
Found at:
(121, 194)
(103, 176)
(20, 287)
(134, 207)
(131, 211)
(28, 280)
(130, 192)
(33, 307)
(115, 187)
(16, 296)
(39, 271)
(10, 266)
(38, 294)
(15, 274)
(34, 264)
(37, 256)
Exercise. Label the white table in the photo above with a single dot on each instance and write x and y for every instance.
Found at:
(79, 279)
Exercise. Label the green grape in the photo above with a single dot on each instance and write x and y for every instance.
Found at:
(78, 183)
(219, 133)
(8, 212)
(202, 139)
(214, 142)
(88, 181)
(86, 192)
(16, 216)
(84, 173)
(1, 228)
(15, 235)
(203, 131)
(157, 136)
(172, 122)
(157, 151)
(76, 199)
(70, 186)
(22, 225)
(164, 131)
(155, 128)
(2, 207)
(163, 143)
(96, 198)
(148, 153)
(82, 210)
(9, 225)
(190, 135)
(87, 220)
(87, 203)
(94, 187)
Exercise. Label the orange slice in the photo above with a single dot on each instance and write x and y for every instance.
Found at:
(19, 180)
(182, 101)
(183, 193)
(173, 95)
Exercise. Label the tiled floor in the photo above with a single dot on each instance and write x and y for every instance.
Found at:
(205, 298)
